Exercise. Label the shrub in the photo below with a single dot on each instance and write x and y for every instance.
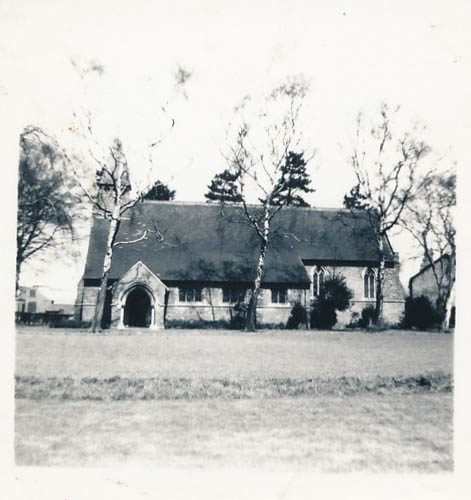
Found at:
(271, 326)
(200, 324)
(69, 323)
(323, 315)
(368, 316)
(420, 313)
(238, 316)
(297, 316)
(334, 296)
(237, 322)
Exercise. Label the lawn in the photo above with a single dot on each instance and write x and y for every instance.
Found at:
(208, 354)
(327, 401)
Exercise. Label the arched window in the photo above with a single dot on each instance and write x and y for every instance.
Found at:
(317, 281)
(369, 280)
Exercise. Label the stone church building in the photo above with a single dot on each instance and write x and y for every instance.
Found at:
(197, 261)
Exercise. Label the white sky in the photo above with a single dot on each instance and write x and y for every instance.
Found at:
(355, 54)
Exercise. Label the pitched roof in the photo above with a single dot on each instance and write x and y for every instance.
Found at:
(198, 243)
(427, 267)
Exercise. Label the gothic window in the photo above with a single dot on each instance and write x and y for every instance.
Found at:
(318, 281)
(369, 280)
(278, 295)
(189, 294)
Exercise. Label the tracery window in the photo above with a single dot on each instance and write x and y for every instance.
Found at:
(318, 281)
(369, 281)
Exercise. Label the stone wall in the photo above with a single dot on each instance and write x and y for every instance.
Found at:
(85, 303)
(211, 307)
(394, 295)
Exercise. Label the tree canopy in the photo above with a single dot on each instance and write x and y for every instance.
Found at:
(160, 191)
(293, 180)
(224, 188)
(45, 203)
(385, 160)
(429, 218)
(260, 145)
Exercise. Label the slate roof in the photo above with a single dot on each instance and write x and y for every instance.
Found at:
(201, 244)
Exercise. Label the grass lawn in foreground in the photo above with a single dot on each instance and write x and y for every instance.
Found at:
(338, 434)
(242, 419)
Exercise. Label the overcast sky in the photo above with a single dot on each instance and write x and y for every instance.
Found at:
(354, 54)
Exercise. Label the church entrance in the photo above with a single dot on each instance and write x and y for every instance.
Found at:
(137, 311)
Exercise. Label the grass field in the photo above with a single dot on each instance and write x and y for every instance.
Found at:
(328, 401)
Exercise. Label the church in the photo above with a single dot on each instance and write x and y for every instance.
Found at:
(196, 261)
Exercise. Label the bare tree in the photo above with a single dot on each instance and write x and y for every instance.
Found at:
(429, 219)
(385, 163)
(112, 194)
(257, 153)
(47, 207)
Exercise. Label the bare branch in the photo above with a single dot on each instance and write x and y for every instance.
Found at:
(129, 242)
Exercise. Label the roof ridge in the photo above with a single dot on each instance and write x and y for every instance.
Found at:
(215, 204)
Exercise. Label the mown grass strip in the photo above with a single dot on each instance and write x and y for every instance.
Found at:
(118, 388)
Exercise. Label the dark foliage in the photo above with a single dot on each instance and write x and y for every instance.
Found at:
(420, 313)
(223, 188)
(368, 316)
(271, 326)
(294, 179)
(199, 324)
(160, 191)
(336, 291)
(69, 323)
(334, 296)
(297, 316)
(238, 315)
(355, 199)
(323, 315)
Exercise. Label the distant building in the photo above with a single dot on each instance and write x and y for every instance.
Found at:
(203, 263)
(426, 283)
(432, 281)
(31, 300)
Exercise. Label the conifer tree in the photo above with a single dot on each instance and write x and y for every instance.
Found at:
(161, 192)
(294, 179)
(223, 188)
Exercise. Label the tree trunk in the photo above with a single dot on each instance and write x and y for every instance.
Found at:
(18, 271)
(100, 304)
(380, 284)
(449, 297)
(251, 321)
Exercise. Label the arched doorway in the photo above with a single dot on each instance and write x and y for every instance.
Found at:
(137, 311)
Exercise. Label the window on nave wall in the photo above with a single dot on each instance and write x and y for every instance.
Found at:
(318, 281)
(369, 287)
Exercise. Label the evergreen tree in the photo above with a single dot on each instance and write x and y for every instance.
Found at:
(355, 199)
(160, 191)
(223, 188)
(294, 179)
